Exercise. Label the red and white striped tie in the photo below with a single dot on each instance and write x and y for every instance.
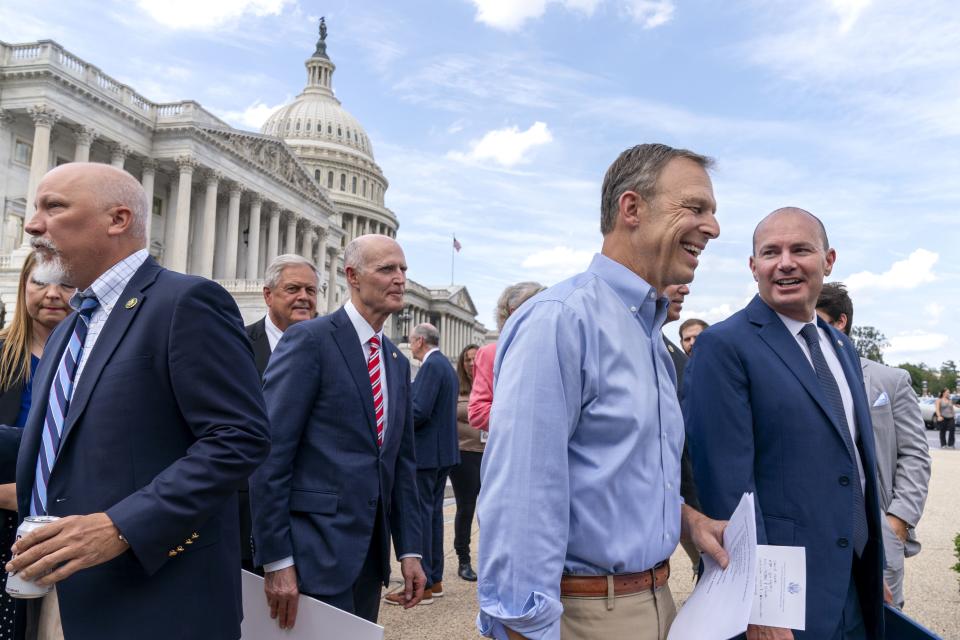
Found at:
(374, 368)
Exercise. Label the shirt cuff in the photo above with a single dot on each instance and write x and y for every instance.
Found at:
(279, 564)
(411, 555)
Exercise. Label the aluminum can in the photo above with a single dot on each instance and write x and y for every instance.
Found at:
(17, 587)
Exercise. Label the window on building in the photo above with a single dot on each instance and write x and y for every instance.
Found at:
(316, 175)
(23, 152)
(364, 188)
(343, 182)
(298, 125)
(339, 132)
(157, 206)
(308, 125)
(330, 180)
(329, 129)
(354, 184)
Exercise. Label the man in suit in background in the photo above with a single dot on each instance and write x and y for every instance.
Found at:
(341, 475)
(435, 392)
(147, 419)
(903, 456)
(779, 410)
(689, 330)
(290, 293)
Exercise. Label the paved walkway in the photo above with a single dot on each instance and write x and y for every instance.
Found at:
(932, 589)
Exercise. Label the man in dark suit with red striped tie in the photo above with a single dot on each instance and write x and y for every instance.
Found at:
(341, 476)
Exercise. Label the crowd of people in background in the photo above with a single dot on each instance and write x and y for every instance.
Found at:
(175, 445)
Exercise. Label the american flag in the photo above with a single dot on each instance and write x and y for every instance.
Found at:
(456, 244)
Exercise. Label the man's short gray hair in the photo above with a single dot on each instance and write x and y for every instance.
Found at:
(428, 332)
(126, 191)
(637, 169)
(511, 299)
(275, 269)
(353, 256)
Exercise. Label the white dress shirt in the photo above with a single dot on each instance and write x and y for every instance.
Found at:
(273, 332)
(830, 355)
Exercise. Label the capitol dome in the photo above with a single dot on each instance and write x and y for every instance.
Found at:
(333, 145)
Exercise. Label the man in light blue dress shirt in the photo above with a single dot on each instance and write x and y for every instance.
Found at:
(580, 504)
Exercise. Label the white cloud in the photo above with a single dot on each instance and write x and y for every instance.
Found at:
(210, 14)
(848, 11)
(932, 312)
(508, 146)
(915, 270)
(915, 343)
(650, 13)
(252, 117)
(510, 15)
(558, 262)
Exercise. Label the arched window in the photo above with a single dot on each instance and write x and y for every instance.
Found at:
(329, 129)
(343, 182)
(354, 184)
(308, 125)
(330, 180)
(316, 176)
(288, 125)
(364, 188)
(298, 126)
(339, 132)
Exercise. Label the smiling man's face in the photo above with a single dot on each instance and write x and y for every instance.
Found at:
(790, 261)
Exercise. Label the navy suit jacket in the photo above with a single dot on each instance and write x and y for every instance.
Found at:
(435, 392)
(316, 497)
(758, 421)
(166, 423)
(257, 332)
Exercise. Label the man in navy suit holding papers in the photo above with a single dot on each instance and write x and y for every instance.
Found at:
(775, 405)
(341, 475)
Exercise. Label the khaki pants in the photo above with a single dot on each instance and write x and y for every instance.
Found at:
(49, 627)
(642, 616)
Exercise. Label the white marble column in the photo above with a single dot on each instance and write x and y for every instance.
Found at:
(118, 154)
(353, 228)
(253, 238)
(306, 243)
(208, 227)
(332, 280)
(322, 253)
(43, 120)
(273, 234)
(147, 178)
(233, 231)
(84, 137)
(291, 245)
(179, 247)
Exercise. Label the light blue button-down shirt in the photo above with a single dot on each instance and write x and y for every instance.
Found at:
(581, 473)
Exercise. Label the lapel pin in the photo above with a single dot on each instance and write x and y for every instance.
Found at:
(670, 348)
(131, 303)
(839, 343)
(394, 354)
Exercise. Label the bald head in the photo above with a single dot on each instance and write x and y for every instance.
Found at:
(359, 250)
(790, 211)
(111, 187)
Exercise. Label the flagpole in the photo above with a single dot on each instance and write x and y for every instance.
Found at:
(453, 253)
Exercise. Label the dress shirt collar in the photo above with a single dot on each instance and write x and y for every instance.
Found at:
(112, 282)
(633, 291)
(427, 354)
(273, 332)
(360, 324)
(794, 326)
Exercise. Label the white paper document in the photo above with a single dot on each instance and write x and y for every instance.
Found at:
(764, 585)
(719, 606)
(315, 620)
(780, 594)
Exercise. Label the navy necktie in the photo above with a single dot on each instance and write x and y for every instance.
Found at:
(832, 392)
(58, 403)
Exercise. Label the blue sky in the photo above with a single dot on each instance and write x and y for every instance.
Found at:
(496, 119)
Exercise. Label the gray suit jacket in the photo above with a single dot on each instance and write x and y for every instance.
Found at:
(903, 457)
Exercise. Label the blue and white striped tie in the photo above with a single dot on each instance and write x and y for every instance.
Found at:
(61, 391)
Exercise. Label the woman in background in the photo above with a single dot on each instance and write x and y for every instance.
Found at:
(465, 477)
(41, 306)
(945, 416)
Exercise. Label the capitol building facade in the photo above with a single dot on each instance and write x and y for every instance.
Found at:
(225, 201)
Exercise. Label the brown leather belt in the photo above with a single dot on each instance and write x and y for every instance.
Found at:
(624, 584)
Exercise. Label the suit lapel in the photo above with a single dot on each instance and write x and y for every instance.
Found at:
(349, 344)
(397, 403)
(775, 334)
(110, 336)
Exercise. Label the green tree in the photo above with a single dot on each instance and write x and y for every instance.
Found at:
(949, 374)
(920, 373)
(869, 342)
